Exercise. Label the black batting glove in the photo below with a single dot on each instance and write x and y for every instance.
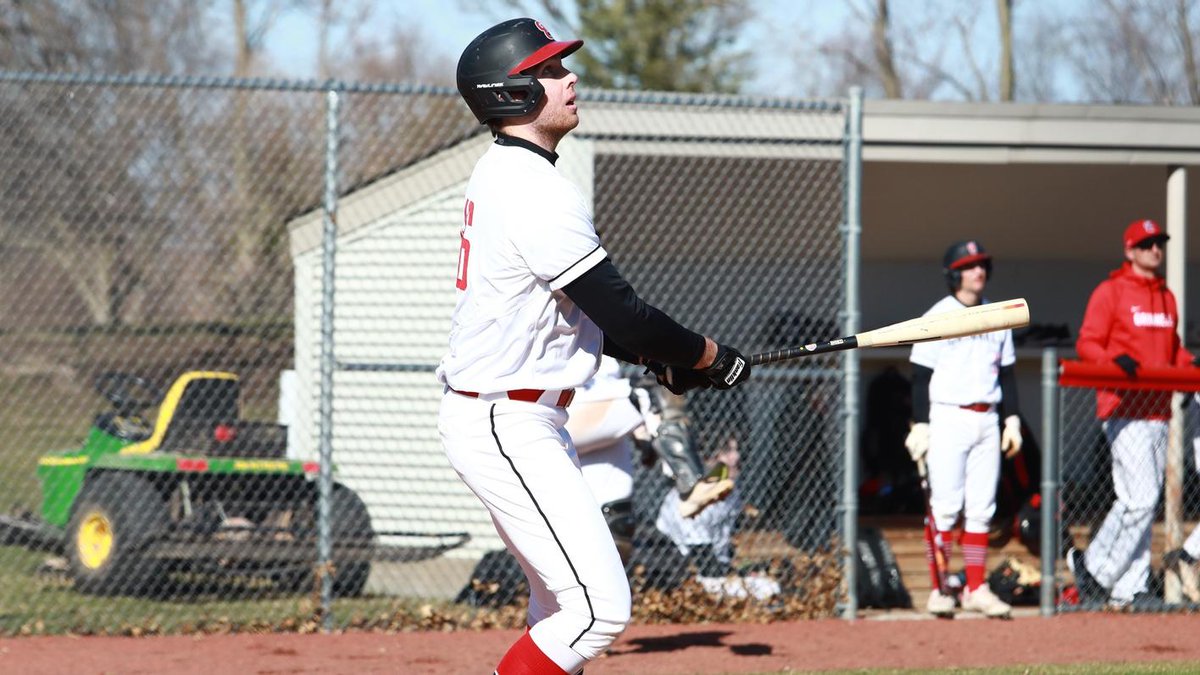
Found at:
(1127, 364)
(729, 369)
(678, 380)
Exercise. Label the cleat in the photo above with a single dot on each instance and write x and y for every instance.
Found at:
(709, 490)
(1090, 590)
(940, 605)
(984, 601)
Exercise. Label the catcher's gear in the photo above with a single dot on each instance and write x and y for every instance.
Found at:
(673, 445)
(917, 441)
(1010, 437)
(729, 369)
(715, 486)
(491, 71)
(961, 255)
(1184, 565)
(619, 516)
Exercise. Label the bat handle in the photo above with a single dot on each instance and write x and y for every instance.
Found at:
(775, 356)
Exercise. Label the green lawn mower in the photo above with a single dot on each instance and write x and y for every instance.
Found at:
(199, 491)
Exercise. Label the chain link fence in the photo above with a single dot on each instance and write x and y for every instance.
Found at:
(160, 389)
(1125, 485)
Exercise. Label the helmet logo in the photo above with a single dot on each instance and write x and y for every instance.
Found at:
(1148, 226)
(539, 26)
(972, 248)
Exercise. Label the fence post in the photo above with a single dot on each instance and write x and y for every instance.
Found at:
(850, 357)
(1051, 509)
(328, 248)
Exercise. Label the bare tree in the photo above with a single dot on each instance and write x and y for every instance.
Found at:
(880, 27)
(1007, 76)
(1137, 51)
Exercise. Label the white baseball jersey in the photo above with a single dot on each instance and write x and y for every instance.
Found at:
(527, 232)
(965, 370)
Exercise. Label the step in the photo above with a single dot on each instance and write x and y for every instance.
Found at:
(906, 537)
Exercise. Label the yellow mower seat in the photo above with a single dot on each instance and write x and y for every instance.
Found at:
(197, 402)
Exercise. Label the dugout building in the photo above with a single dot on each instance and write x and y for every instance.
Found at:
(674, 184)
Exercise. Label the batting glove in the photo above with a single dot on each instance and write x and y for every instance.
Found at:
(917, 441)
(729, 369)
(678, 380)
(1010, 438)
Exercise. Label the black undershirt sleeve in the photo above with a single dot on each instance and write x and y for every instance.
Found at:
(618, 352)
(1008, 392)
(631, 327)
(920, 393)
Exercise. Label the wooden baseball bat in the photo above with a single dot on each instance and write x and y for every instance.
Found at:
(957, 323)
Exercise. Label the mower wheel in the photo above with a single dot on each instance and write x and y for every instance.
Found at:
(349, 520)
(112, 519)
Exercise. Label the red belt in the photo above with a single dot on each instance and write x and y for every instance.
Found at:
(978, 407)
(527, 395)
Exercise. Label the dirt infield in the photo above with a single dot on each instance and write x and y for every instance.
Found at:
(715, 648)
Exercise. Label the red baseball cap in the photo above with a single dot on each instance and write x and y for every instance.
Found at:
(1141, 230)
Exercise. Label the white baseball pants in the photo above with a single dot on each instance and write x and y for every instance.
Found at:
(517, 458)
(964, 466)
(1119, 555)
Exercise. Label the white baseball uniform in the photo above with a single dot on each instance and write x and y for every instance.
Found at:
(964, 436)
(518, 346)
(603, 434)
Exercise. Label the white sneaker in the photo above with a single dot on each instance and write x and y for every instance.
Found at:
(939, 604)
(984, 601)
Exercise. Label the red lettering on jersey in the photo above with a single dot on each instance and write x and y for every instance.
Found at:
(464, 246)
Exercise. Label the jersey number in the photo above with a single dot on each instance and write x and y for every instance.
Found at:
(464, 246)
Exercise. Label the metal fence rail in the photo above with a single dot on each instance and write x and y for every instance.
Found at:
(190, 266)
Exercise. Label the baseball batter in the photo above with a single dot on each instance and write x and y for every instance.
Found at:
(961, 389)
(1131, 320)
(538, 302)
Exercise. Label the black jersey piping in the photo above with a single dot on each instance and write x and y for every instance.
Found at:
(505, 139)
(572, 265)
(536, 505)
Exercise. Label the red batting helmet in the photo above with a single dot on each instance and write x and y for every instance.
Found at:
(961, 255)
(491, 70)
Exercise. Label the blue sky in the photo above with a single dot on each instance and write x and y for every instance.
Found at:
(780, 26)
(292, 45)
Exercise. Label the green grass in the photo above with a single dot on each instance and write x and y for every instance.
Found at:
(33, 602)
(37, 415)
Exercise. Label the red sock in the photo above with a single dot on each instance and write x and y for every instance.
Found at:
(947, 549)
(524, 658)
(974, 557)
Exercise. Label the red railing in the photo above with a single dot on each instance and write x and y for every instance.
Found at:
(1110, 376)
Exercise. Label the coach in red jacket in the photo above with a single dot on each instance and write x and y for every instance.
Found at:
(1131, 320)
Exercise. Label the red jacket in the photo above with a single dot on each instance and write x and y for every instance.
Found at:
(1131, 314)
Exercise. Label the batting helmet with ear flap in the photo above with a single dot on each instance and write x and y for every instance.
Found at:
(491, 70)
(961, 255)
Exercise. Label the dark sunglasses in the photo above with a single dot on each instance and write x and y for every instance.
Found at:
(1151, 243)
